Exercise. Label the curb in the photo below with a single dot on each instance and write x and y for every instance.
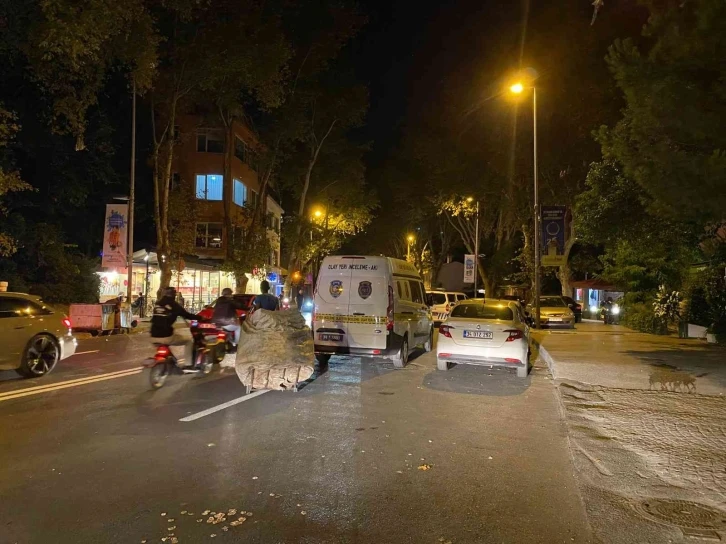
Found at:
(547, 358)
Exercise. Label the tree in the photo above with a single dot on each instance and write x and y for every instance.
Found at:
(10, 181)
(642, 250)
(670, 139)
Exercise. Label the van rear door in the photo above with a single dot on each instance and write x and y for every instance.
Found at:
(332, 299)
(368, 303)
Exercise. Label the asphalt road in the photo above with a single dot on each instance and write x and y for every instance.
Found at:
(363, 453)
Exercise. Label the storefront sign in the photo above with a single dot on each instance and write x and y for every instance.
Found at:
(272, 277)
(115, 236)
(554, 235)
(469, 268)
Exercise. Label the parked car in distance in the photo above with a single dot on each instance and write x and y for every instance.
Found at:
(245, 300)
(553, 312)
(575, 306)
(443, 302)
(491, 332)
(33, 335)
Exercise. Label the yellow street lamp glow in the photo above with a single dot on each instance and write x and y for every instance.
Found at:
(318, 213)
(470, 199)
(517, 88)
(410, 238)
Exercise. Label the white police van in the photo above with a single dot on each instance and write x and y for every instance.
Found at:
(370, 306)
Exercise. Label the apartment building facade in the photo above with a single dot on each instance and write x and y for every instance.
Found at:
(199, 165)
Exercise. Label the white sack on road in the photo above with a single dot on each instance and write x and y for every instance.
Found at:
(278, 346)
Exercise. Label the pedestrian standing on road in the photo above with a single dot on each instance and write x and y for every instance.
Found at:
(266, 301)
(299, 298)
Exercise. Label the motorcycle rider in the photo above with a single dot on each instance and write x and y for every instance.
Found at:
(166, 312)
(607, 311)
(266, 301)
(225, 313)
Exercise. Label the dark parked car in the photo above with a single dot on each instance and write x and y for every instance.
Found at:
(575, 306)
(246, 300)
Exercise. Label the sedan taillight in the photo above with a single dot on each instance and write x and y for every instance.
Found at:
(514, 334)
(445, 330)
(67, 322)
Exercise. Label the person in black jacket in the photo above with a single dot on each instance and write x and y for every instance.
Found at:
(166, 312)
(225, 313)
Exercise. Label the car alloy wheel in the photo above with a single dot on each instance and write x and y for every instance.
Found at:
(41, 355)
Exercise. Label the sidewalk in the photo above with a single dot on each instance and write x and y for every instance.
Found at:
(646, 420)
(616, 357)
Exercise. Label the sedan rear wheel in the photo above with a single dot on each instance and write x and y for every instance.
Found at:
(40, 357)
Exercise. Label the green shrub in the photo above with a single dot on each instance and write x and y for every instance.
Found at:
(640, 317)
(698, 311)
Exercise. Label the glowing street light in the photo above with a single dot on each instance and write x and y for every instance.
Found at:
(318, 213)
(410, 238)
(517, 88)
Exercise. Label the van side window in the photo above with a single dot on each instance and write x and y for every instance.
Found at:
(398, 288)
(451, 297)
(460, 297)
(416, 294)
(404, 293)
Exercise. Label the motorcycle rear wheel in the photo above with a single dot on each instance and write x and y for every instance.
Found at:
(158, 374)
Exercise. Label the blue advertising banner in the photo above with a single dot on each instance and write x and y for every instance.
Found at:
(554, 235)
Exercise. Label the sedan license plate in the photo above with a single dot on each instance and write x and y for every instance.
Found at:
(479, 334)
(556, 319)
(327, 337)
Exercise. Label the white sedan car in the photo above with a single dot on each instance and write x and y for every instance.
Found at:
(491, 332)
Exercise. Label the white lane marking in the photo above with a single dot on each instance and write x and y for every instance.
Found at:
(86, 352)
(64, 385)
(220, 407)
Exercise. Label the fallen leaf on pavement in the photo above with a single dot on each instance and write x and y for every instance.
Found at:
(425, 466)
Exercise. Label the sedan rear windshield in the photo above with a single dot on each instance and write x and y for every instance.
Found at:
(483, 311)
(552, 302)
(439, 298)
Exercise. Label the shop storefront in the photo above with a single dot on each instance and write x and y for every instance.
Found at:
(591, 293)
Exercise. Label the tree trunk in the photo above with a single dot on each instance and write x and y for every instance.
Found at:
(228, 184)
(564, 274)
(241, 283)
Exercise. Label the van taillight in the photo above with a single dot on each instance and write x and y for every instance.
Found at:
(67, 322)
(389, 310)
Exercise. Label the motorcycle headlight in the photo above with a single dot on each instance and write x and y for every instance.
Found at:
(593, 309)
(286, 300)
(616, 310)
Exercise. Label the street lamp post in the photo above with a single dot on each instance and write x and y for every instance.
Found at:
(518, 88)
(410, 240)
(476, 248)
(132, 183)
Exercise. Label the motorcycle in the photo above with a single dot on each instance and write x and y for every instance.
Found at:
(610, 313)
(224, 345)
(164, 363)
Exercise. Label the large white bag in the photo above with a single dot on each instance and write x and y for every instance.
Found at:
(275, 350)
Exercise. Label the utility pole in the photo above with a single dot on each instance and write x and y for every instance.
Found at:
(476, 252)
(130, 258)
(536, 218)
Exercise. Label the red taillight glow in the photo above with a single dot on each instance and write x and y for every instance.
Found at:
(445, 330)
(514, 334)
(444, 355)
(222, 335)
(515, 361)
(67, 322)
(389, 310)
(376, 352)
(162, 352)
(448, 308)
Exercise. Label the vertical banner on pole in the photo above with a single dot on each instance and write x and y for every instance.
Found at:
(469, 268)
(554, 235)
(115, 236)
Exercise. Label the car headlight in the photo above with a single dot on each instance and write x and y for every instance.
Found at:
(616, 310)
(285, 300)
(593, 309)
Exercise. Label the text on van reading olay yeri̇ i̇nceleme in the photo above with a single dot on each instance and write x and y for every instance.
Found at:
(344, 266)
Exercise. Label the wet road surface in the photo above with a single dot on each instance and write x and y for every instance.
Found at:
(363, 453)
